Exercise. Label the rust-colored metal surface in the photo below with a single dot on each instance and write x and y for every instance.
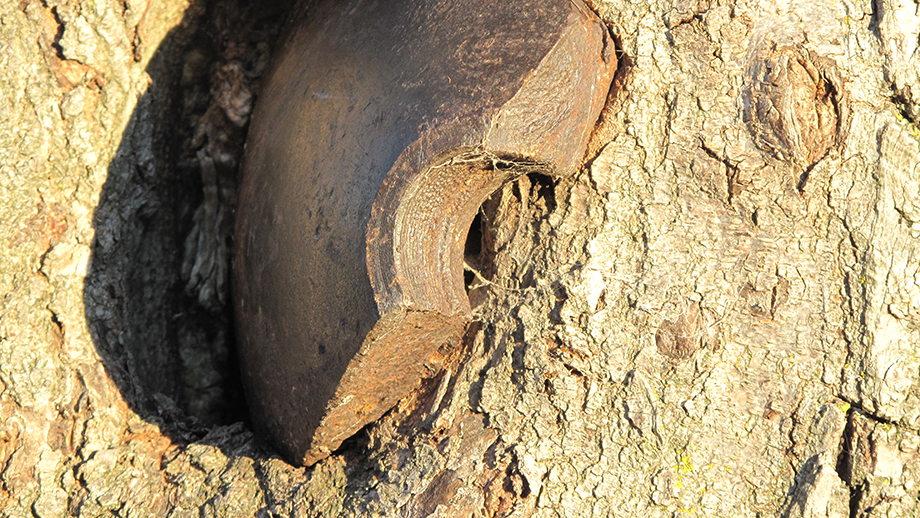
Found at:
(380, 131)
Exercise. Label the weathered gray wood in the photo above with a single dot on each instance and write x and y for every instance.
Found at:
(719, 316)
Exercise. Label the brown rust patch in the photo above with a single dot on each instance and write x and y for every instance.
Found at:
(680, 339)
(44, 228)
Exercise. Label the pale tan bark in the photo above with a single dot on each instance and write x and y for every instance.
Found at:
(718, 316)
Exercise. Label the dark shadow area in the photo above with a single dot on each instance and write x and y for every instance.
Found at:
(473, 251)
(157, 290)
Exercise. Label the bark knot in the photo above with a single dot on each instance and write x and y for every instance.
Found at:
(794, 105)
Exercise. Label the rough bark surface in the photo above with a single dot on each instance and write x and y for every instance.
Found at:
(720, 315)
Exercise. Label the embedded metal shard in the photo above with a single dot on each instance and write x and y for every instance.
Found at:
(372, 146)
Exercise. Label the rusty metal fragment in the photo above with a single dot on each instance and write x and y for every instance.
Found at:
(381, 129)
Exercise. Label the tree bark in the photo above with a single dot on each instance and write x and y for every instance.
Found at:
(719, 315)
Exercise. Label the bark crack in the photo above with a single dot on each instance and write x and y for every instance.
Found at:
(856, 406)
(733, 185)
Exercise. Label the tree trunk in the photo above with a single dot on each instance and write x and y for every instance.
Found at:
(719, 315)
